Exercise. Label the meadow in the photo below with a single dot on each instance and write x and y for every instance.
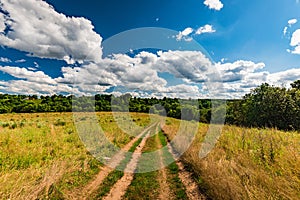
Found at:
(42, 157)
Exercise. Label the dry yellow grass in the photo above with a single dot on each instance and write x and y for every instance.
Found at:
(247, 163)
(42, 156)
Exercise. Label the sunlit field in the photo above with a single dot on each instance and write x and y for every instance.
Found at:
(41, 156)
(246, 163)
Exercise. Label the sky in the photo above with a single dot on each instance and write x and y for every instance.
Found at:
(157, 48)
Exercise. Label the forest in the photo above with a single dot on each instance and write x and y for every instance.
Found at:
(265, 106)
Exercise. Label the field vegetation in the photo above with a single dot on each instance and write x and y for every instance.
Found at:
(246, 163)
(41, 156)
(44, 156)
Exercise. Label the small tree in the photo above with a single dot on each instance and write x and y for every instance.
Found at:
(296, 84)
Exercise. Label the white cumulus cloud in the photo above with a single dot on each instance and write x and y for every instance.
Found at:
(20, 61)
(292, 21)
(139, 75)
(23, 73)
(284, 77)
(214, 4)
(205, 29)
(5, 60)
(2, 23)
(36, 28)
(295, 42)
(187, 33)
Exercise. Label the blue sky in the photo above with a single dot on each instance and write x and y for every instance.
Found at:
(45, 44)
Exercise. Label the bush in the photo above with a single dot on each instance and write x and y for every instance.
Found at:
(60, 123)
(13, 125)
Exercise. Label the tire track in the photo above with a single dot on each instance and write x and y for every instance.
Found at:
(186, 177)
(164, 186)
(119, 189)
(90, 188)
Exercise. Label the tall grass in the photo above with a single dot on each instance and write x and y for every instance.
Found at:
(41, 155)
(247, 163)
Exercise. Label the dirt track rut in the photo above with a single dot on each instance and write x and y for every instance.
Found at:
(119, 189)
(85, 193)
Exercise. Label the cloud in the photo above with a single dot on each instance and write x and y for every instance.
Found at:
(34, 82)
(5, 60)
(285, 30)
(179, 91)
(23, 73)
(2, 23)
(20, 61)
(284, 77)
(29, 87)
(139, 75)
(295, 42)
(120, 70)
(205, 29)
(35, 27)
(239, 78)
(214, 4)
(292, 21)
(187, 33)
(191, 66)
(238, 70)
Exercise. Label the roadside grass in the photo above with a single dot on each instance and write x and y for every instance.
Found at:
(37, 153)
(41, 155)
(246, 163)
(80, 175)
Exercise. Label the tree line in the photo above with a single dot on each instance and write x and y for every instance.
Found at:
(265, 106)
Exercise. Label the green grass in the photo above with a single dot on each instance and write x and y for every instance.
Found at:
(162, 139)
(122, 128)
(33, 147)
(80, 177)
(39, 150)
(145, 185)
(132, 149)
(167, 156)
(108, 183)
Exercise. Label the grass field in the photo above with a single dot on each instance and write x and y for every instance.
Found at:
(246, 163)
(41, 156)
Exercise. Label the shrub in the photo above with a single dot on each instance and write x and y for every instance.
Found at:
(60, 123)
